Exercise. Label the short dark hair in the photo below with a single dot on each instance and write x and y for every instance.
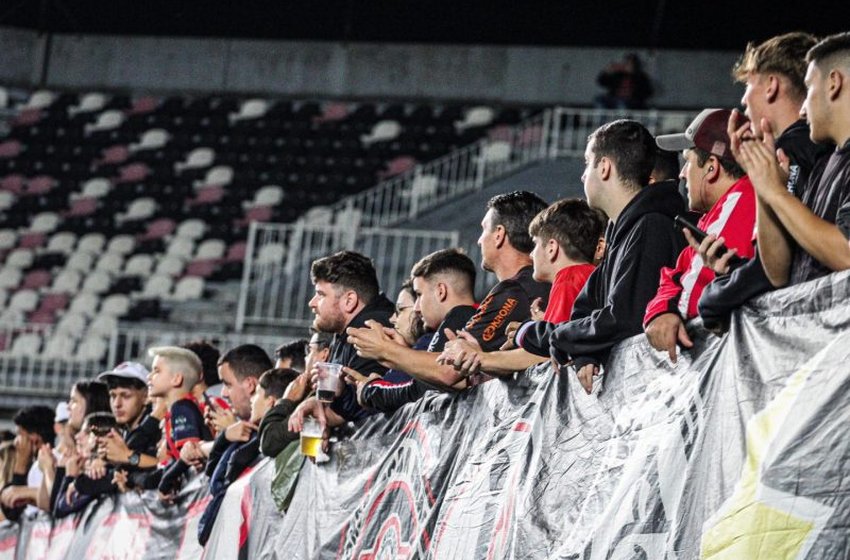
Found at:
(829, 46)
(783, 54)
(37, 419)
(209, 355)
(407, 286)
(247, 360)
(104, 421)
(275, 381)
(729, 166)
(294, 350)
(573, 224)
(666, 165)
(95, 393)
(453, 261)
(116, 382)
(630, 146)
(350, 270)
(514, 211)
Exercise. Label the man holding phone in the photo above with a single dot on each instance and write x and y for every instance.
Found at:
(718, 187)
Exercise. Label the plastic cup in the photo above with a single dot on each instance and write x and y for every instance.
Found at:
(328, 382)
(311, 437)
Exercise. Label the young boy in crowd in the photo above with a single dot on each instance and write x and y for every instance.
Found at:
(173, 374)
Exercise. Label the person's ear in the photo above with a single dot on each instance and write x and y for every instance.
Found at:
(712, 170)
(442, 291)
(499, 235)
(177, 380)
(771, 92)
(552, 250)
(835, 81)
(605, 168)
(250, 384)
(350, 301)
(323, 354)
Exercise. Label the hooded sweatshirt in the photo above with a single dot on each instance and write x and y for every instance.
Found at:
(612, 304)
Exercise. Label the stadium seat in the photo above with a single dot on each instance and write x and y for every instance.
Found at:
(108, 120)
(84, 305)
(270, 195)
(497, 152)
(157, 286)
(8, 238)
(23, 300)
(121, 244)
(95, 187)
(181, 247)
(159, 228)
(475, 117)
(31, 240)
(219, 175)
(139, 209)
(20, 259)
(188, 288)
(40, 99)
(192, 228)
(67, 281)
(170, 266)
(89, 103)
(381, 132)
(139, 265)
(110, 262)
(26, 344)
(36, 279)
(115, 305)
(92, 243)
(210, 249)
(45, 222)
(92, 348)
(197, 158)
(271, 253)
(152, 139)
(81, 207)
(103, 325)
(97, 282)
(10, 149)
(250, 109)
(62, 242)
(7, 199)
(59, 346)
(10, 277)
(80, 260)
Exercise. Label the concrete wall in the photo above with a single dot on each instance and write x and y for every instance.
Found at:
(20, 57)
(520, 74)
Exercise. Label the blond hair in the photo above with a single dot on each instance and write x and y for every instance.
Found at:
(180, 360)
(783, 54)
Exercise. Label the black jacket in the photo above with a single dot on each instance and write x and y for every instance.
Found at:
(748, 279)
(612, 304)
(380, 310)
(389, 397)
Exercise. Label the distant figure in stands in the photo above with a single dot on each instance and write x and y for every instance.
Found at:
(717, 187)
(505, 250)
(809, 238)
(567, 240)
(291, 355)
(627, 85)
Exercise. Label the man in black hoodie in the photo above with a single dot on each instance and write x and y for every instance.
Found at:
(640, 240)
(346, 295)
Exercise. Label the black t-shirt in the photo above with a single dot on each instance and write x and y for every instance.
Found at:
(828, 196)
(803, 154)
(508, 301)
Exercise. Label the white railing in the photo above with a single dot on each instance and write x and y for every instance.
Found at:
(466, 169)
(276, 285)
(26, 372)
(571, 127)
(553, 133)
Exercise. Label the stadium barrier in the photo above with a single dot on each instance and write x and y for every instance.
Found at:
(739, 450)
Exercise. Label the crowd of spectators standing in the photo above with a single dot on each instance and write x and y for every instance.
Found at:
(767, 191)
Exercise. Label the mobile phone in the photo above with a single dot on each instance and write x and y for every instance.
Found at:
(683, 223)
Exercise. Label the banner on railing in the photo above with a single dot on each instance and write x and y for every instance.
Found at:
(737, 451)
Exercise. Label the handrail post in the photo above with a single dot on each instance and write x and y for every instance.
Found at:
(247, 265)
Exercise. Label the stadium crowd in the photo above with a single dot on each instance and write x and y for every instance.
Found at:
(767, 206)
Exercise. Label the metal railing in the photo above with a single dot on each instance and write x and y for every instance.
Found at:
(276, 285)
(25, 370)
(571, 127)
(466, 169)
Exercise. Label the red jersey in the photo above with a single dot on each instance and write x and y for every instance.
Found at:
(568, 283)
(733, 218)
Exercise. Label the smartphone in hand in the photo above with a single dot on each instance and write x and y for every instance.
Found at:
(682, 222)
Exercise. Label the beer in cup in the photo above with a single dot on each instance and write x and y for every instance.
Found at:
(328, 381)
(311, 437)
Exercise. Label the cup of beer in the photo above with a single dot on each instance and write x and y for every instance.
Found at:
(328, 381)
(311, 437)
